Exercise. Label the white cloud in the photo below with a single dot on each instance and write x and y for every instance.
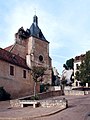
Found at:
(59, 56)
(66, 27)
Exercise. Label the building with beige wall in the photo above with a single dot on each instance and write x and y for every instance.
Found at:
(77, 63)
(16, 61)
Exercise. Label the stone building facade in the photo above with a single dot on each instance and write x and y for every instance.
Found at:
(16, 61)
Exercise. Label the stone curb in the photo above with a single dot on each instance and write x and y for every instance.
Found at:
(31, 118)
(49, 114)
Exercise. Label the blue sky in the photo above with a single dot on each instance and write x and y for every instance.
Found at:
(64, 23)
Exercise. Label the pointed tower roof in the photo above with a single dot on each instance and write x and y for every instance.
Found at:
(35, 20)
(35, 31)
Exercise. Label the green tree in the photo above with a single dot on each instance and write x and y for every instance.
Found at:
(37, 73)
(70, 63)
(4, 95)
(84, 70)
(77, 75)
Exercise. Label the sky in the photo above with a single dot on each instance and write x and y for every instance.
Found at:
(64, 23)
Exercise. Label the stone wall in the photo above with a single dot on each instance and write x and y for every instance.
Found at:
(16, 102)
(75, 92)
(48, 103)
(44, 95)
(16, 85)
(19, 49)
(51, 103)
(63, 103)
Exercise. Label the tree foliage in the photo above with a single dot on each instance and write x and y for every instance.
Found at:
(77, 75)
(70, 63)
(4, 95)
(84, 70)
(37, 73)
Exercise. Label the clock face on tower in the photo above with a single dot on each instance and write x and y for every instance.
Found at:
(40, 58)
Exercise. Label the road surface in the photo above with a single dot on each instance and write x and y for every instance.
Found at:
(79, 109)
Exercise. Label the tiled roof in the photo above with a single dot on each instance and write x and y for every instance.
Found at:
(12, 58)
(79, 58)
(8, 48)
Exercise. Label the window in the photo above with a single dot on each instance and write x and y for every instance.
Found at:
(40, 58)
(24, 73)
(12, 70)
(77, 67)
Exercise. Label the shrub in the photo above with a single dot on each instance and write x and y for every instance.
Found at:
(36, 97)
(4, 95)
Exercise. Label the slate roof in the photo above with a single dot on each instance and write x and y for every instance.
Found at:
(35, 31)
(12, 58)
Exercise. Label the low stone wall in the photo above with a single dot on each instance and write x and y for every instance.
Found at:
(15, 103)
(43, 95)
(75, 92)
(51, 103)
(63, 103)
(49, 94)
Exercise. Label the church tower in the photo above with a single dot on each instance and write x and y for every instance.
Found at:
(33, 46)
(38, 46)
(38, 49)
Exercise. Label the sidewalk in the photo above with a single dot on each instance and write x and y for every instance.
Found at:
(26, 113)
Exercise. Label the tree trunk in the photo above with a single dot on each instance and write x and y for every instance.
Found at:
(34, 89)
(63, 86)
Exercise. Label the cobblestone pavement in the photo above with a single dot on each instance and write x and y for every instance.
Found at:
(79, 109)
